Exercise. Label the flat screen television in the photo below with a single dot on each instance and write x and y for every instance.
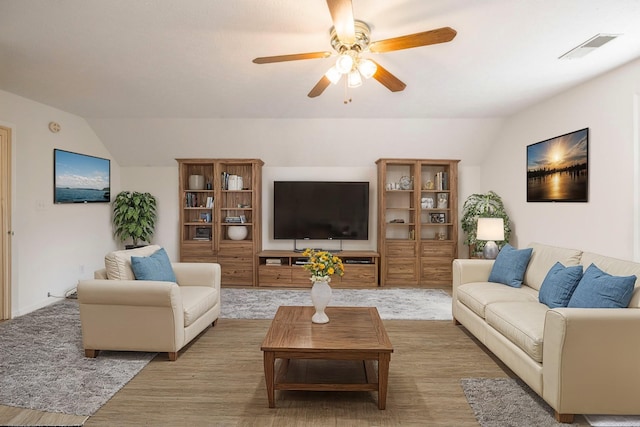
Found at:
(80, 178)
(320, 210)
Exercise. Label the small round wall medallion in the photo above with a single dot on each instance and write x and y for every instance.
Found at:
(54, 127)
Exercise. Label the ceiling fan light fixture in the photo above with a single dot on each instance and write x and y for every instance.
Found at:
(367, 68)
(344, 63)
(354, 79)
(333, 75)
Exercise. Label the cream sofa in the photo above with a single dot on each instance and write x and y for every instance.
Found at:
(118, 312)
(579, 360)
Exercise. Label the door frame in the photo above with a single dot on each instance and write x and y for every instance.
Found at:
(5, 222)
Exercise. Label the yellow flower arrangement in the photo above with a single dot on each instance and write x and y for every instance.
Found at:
(322, 265)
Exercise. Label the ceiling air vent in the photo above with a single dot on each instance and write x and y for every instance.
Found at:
(589, 46)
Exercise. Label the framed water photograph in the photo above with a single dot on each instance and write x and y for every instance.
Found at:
(558, 168)
(80, 178)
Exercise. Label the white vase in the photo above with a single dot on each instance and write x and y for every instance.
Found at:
(320, 296)
(237, 232)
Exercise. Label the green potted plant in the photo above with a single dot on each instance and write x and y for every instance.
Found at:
(134, 217)
(476, 206)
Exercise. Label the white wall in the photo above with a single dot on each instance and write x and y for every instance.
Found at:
(53, 245)
(606, 223)
(296, 142)
(162, 183)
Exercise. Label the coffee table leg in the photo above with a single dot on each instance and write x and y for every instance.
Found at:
(269, 372)
(383, 379)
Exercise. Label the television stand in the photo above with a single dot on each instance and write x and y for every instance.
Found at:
(283, 269)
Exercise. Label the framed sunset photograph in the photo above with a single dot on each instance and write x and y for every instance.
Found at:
(557, 168)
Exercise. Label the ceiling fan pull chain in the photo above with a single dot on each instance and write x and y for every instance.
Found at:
(346, 92)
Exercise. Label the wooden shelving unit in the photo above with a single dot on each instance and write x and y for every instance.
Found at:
(234, 187)
(361, 269)
(417, 221)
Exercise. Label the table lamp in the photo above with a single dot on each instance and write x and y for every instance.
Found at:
(490, 229)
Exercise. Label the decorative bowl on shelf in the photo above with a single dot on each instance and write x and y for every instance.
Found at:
(237, 232)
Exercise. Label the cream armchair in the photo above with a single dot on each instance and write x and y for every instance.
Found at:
(118, 312)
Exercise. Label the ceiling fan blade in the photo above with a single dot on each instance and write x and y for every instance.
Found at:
(294, 57)
(441, 35)
(342, 17)
(319, 87)
(390, 81)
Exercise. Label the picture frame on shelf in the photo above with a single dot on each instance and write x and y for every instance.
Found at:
(437, 218)
(205, 217)
(203, 233)
(443, 201)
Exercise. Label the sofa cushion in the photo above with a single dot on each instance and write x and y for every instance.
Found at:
(156, 266)
(196, 301)
(476, 296)
(118, 263)
(616, 267)
(598, 289)
(522, 323)
(558, 286)
(510, 266)
(543, 258)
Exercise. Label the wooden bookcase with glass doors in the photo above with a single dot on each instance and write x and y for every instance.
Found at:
(417, 221)
(217, 210)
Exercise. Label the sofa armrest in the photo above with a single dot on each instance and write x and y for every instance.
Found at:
(590, 359)
(197, 274)
(470, 270)
(129, 293)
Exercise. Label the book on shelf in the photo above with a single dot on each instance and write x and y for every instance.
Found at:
(273, 261)
(209, 202)
(442, 181)
(224, 180)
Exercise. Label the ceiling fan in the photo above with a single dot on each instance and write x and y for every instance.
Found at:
(350, 39)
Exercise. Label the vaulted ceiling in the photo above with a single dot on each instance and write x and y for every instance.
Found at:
(193, 58)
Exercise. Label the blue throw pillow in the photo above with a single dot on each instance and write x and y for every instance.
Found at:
(510, 266)
(559, 284)
(154, 267)
(598, 289)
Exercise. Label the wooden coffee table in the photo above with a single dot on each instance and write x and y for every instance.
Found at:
(353, 333)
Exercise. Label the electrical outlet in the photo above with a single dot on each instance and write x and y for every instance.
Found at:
(81, 269)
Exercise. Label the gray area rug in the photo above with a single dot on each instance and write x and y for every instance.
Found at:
(42, 364)
(500, 402)
(392, 304)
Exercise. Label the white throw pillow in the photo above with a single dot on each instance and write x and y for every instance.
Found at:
(118, 263)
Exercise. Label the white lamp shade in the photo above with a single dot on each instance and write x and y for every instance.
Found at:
(344, 63)
(367, 68)
(333, 75)
(490, 229)
(354, 79)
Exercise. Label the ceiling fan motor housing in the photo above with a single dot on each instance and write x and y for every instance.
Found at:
(361, 43)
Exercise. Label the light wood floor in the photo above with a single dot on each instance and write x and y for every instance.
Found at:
(218, 381)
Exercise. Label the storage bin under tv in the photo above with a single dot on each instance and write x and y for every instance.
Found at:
(277, 268)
